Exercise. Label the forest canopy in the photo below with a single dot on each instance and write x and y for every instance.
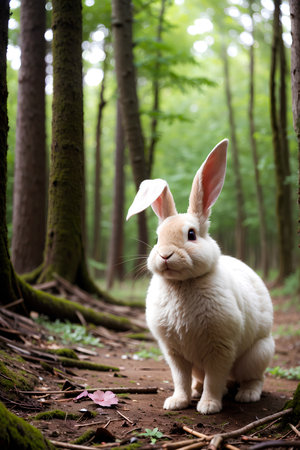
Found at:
(193, 77)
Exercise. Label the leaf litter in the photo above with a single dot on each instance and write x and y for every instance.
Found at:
(144, 408)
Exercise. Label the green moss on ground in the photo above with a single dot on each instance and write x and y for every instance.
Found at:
(12, 377)
(86, 436)
(66, 352)
(55, 414)
(15, 433)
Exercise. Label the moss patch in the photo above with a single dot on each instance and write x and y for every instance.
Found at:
(86, 436)
(56, 414)
(15, 433)
(13, 377)
(66, 352)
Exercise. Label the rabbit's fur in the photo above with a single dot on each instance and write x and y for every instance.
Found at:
(211, 314)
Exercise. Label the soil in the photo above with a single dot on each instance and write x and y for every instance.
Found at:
(145, 411)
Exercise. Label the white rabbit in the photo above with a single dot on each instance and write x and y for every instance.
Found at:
(211, 314)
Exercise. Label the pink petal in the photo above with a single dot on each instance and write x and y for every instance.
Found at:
(107, 398)
(97, 396)
(83, 394)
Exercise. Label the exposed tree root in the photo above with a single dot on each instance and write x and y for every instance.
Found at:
(55, 307)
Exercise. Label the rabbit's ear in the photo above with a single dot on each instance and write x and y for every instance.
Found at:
(157, 194)
(209, 181)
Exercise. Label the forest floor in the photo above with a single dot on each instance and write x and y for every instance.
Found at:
(141, 366)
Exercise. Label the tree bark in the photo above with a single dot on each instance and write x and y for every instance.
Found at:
(64, 252)
(295, 78)
(125, 72)
(29, 197)
(258, 186)
(98, 171)
(240, 232)
(115, 255)
(11, 286)
(7, 281)
(281, 153)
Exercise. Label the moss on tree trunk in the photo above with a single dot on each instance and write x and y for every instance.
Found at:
(64, 252)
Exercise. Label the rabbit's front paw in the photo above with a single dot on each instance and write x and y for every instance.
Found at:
(209, 406)
(176, 402)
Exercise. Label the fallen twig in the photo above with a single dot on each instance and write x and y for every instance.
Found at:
(124, 417)
(91, 424)
(116, 390)
(294, 429)
(218, 438)
(196, 433)
(179, 444)
(231, 447)
(195, 445)
(81, 447)
(12, 304)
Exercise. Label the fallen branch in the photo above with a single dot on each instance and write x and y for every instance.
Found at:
(218, 438)
(117, 390)
(256, 423)
(81, 447)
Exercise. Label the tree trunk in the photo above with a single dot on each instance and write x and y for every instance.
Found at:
(240, 201)
(11, 286)
(125, 72)
(281, 156)
(115, 255)
(98, 169)
(295, 77)
(29, 198)
(156, 92)
(258, 186)
(64, 252)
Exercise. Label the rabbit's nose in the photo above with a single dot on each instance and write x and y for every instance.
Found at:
(166, 257)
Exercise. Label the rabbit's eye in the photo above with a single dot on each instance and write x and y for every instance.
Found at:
(191, 234)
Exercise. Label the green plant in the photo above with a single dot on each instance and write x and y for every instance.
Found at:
(287, 330)
(291, 286)
(70, 333)
(152, 434)
(291, 374)
(149, 353)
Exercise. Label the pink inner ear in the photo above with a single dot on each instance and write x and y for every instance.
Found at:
(157, 206)
(213, 175)
(164, 205)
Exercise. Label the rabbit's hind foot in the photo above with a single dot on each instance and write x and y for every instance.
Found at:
(249, 391)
